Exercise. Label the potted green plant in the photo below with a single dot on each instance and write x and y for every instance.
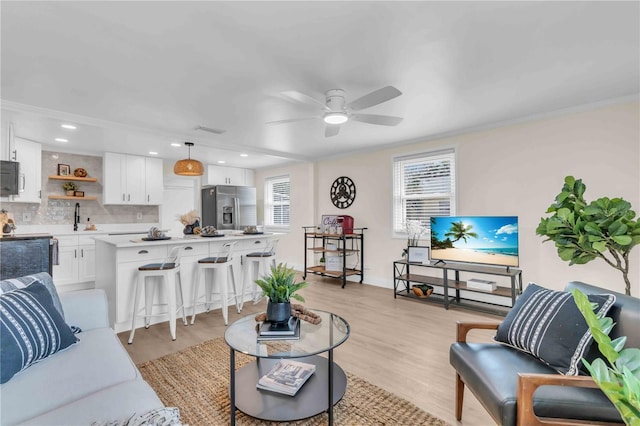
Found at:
(280, 287)
(619, 376)
(70, 187)
(605, 228)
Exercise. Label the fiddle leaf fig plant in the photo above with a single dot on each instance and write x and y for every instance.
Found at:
(280, 286)
(606, 228)
(619, 376)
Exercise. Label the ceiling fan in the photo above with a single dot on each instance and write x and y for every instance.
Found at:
(335, 111)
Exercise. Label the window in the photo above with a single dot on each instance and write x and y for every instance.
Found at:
(423, 186)
(277, 191)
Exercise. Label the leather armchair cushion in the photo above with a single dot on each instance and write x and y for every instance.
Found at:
(491, 370)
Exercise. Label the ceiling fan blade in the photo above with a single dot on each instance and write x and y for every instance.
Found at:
(331, 130)
(374, 98)
(211, 130)
(383, 120)
(304, 99)
(291, 120)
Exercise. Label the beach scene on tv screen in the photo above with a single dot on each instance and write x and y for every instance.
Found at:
(477, 239)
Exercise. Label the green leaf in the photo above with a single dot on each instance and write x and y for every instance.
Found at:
(600, 246)
(593, 228)
(623, 240)
(618, 343)
(566, 253)
(617, 228)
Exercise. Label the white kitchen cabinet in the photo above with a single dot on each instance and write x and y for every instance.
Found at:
(135, 179)
(66, 271)
(29, 155)
(131, 179)
(221, 175)
(154, 186)
(86, 261)
(76, 260)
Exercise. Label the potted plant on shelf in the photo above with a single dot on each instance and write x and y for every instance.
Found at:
(70, 187)
(280, 287)
(605, 228)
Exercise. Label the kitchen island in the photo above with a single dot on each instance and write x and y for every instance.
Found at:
(119, 256)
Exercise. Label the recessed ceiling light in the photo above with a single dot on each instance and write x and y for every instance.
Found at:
(61, 140)
(153, 153)
(176, 144)
(244, 155)
(68, 126)
(221, 161)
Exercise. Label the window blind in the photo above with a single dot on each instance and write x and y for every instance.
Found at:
(423, 186)
(277, 201)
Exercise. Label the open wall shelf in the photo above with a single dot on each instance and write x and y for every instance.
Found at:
(71, 197)
(80, 179)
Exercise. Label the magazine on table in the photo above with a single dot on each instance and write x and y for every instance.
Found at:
(286, 376)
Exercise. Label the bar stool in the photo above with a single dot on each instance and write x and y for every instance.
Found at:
(166, 272)
(256, 265)
(224, 263)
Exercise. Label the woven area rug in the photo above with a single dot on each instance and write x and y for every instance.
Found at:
(196, 380)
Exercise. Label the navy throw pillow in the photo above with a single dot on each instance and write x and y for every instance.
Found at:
(548, 325)
(31, 329)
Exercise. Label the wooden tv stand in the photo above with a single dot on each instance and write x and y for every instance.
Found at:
(455, 291)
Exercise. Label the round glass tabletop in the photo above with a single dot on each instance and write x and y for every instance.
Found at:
(332, 331)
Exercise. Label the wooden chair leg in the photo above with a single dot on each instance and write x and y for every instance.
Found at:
(459, 396)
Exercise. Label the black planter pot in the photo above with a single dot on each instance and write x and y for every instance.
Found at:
(278, 312)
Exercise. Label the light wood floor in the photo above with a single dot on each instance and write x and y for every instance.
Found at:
(398, 344)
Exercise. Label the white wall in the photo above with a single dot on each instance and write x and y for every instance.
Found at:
(512, 170)
(290, 247)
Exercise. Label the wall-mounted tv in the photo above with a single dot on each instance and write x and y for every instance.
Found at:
(491, 240)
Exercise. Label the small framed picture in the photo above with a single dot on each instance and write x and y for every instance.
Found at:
(78, 193)
(64, 170)
(418, 254)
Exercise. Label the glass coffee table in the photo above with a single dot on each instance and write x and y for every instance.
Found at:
(321, 391)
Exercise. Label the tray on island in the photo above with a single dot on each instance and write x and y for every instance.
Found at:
(211, 235)
(155, 238)
(253, 233)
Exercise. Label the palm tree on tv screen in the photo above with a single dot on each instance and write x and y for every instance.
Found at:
(460, 231)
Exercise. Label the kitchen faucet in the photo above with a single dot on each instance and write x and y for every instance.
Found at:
(76, 217)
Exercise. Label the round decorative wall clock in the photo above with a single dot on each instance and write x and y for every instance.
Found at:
(343, 192)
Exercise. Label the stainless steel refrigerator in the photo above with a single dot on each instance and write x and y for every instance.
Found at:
(229, 207)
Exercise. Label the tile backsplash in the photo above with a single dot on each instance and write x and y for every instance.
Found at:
(60, 212)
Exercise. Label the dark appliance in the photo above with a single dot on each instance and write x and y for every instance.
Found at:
(9, 172)
(346, 222)
(25, 255)
(229, 207)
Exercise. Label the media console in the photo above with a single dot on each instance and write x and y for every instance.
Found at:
(455, 291)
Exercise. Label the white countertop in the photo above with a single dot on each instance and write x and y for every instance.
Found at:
(136, 241)
(101, 229)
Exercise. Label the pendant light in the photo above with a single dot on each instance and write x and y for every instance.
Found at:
(188, 167)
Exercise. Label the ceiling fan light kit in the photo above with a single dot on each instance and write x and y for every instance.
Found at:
(335, 118)
(188, 167)
(336, 111)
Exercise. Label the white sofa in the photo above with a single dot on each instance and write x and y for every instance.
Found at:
(93, 381)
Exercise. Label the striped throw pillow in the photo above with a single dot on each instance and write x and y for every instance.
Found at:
(548, 325)
(31, 329)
